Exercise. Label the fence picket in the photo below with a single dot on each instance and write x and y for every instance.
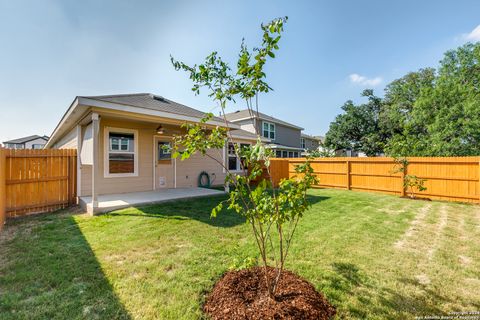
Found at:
(448, 178)
(35, 181)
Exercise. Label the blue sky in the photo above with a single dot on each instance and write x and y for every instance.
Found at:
(52, 51)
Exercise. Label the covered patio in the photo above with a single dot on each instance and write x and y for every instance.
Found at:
(110, 202)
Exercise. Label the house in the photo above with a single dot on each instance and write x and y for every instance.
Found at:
(309, 142)
(283, 137)
(30, 142)
(120, 141)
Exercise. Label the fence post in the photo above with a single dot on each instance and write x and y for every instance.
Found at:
(349, 179)
(3, 191)
(403, 173)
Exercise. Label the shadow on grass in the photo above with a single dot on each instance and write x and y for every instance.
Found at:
(48, 271)
(379, 302)
(313, 199)
(199, 209)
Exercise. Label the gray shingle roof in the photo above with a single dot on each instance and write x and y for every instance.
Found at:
(153, 102)
(243, 114)
(320, 138)
(26, 139)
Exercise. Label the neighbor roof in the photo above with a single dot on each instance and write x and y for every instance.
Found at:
(245, 114)
(26, 139)
(319, 138)
(152, 102)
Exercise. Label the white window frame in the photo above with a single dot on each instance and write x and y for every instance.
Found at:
(228, 156)
(106, 152)
(269, 124)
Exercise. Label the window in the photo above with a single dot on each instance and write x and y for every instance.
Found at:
(234, 163)
(269, 130)
(290, 154)
(121, 157)
(278, 153)
(284, 154)
(37, 146)
(295, 154)
(164, 151)
(302, 143)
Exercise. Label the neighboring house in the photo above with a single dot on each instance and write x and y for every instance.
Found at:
(283, 137)
(30, 142)
(120, 139)
(308, 142)
(349, 153)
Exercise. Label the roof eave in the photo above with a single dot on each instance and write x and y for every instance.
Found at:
(147, 111)
(88, 102)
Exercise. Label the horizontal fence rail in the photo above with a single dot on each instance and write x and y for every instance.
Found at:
(447, 178)
(36, 181)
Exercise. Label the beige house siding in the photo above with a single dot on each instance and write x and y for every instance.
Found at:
(185, 172)
(144, 180)
(189, 170)
(69, 141)
(86, 180)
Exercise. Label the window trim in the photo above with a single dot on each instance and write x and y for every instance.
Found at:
(269, 131)
(228, 156)
(303, 143)
(106, 152)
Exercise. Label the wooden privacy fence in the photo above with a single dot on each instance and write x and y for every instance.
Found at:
(448, 178)
(34, 181)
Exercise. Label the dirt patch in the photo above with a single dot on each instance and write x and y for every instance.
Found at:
(438, 232)
(423, 279)
(421, 215)
(464, 260)
(242, 295)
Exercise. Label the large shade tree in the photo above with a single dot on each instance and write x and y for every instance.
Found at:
(424, 113)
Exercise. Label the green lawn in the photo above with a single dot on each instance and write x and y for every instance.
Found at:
(374, 256)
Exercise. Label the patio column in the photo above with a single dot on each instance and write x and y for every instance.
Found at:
(79, 161)
(95, 161)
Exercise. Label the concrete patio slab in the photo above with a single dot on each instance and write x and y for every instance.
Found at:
(110, 202)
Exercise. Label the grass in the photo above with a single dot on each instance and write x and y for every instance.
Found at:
(373, 256)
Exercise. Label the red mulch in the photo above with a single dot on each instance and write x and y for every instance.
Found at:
(243, 295)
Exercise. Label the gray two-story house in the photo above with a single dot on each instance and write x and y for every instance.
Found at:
(30, 142)
(309, 143)
(283, 137)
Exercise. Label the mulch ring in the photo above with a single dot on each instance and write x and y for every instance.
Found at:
(243, 295)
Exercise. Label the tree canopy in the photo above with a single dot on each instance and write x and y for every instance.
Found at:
(425, 113)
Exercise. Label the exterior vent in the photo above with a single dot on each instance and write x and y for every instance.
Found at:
(158, 98)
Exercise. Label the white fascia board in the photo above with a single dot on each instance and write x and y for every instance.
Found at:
(66, 116)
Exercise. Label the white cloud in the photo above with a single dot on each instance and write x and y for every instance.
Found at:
(364, 81)
(474, 35)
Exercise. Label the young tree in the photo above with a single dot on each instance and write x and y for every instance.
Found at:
(272, 213)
